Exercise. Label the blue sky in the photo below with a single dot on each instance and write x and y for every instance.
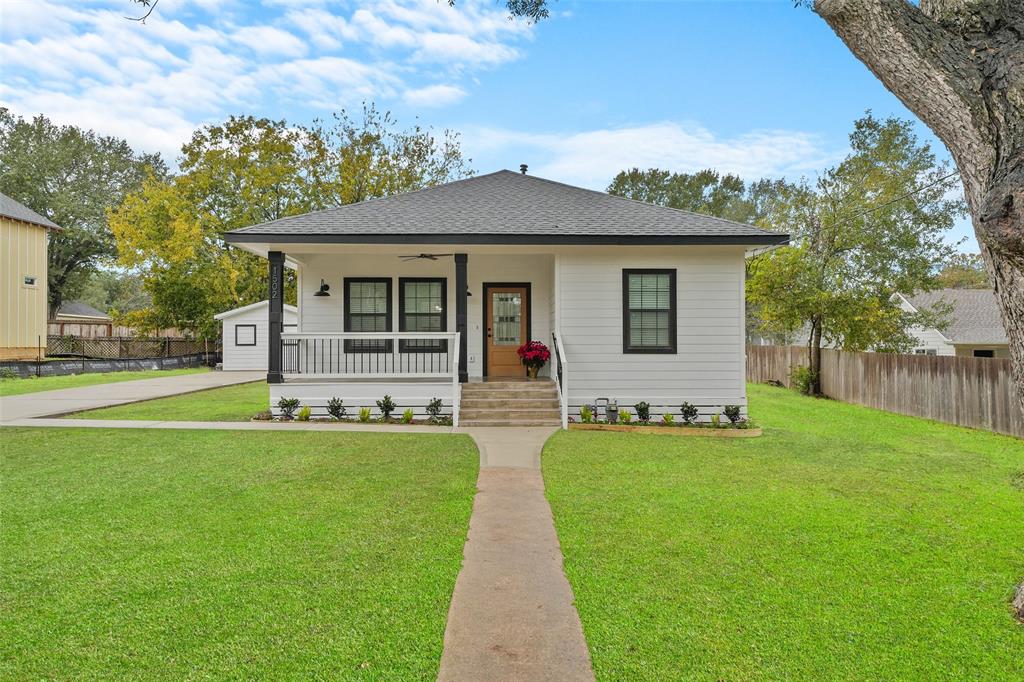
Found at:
(755, 88)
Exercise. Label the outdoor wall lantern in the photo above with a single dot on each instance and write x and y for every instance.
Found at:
(324, 288)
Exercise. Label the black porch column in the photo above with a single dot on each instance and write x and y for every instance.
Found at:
(461, 316)
(276, 316)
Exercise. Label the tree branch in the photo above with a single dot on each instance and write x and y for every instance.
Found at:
(929, 68)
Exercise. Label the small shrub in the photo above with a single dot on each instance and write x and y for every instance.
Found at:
(668, 420)
(8, 373)
(802, 379)
(715, 421)
(304, 413)
(288, 407)
(643, 411)
(336, 408)
(434, 409)
(587, 414)
(263, 416)
(364, 414)
(625, 416)
(386, 406)
(689, 413)
(732, 413)
(407, 416)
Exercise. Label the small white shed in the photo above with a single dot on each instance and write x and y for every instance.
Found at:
(245, 335)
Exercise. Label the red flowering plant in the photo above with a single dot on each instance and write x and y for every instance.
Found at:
(534, 354)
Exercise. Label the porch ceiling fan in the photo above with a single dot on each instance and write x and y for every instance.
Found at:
(426, 256)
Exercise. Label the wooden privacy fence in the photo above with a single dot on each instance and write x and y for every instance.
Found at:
(975, 392)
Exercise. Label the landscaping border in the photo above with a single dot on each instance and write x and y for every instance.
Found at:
(671, 430)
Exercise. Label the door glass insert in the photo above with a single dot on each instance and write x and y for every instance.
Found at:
(506, 311)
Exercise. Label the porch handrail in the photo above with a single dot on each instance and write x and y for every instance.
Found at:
(456, 386)
(561, 378)
(351, 355)
(329, 355)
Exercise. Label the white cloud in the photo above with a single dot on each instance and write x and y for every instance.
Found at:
(197, 61)
(434, 95)
(592, 158)
(268, 40)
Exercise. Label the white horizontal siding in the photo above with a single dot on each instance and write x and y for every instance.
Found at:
(363, 394)
(237, 358)
(708, 367)
(326, 313)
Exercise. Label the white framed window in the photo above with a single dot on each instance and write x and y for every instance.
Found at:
(29, 281)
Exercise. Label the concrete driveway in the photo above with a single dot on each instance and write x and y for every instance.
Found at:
(63, 401)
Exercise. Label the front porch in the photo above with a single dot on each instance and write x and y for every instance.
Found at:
(378, 320)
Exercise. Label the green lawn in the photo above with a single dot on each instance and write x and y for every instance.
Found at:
(214, 554)
(229, 403)
(35, 384)
(846, 544)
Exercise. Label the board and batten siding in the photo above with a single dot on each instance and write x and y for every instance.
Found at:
(23, 307)
(237, 358)
(708, 368)
(326, 313)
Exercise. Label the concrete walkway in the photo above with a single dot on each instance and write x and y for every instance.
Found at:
(65, 400)
(512, 615)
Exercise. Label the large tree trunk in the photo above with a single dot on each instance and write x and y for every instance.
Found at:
(959, 65)
(814, 358)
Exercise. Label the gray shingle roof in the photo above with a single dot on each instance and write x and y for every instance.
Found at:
(80, 309)
(10, 208)
(975, 316)
(506, 207)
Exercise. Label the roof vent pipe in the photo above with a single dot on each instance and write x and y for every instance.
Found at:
(522, 168)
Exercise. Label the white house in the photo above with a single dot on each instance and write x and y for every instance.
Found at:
(430, 293)
(246, 335)
(975, 326)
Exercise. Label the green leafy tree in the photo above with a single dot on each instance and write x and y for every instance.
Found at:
(114, 291)
(868, 228)
(964, 271)
(248, 171)
(73, 177)
(707, 191)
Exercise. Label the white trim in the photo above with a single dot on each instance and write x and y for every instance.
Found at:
(252, 306)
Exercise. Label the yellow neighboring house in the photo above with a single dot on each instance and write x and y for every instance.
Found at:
(23, 293)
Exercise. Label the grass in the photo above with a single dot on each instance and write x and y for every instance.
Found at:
(229, 403)
(10, 387)
(214, 554)
(846, 544)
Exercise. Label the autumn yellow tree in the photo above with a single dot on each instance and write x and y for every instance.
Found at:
(248, 171)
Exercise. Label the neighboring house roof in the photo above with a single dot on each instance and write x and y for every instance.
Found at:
(506, 208)
(78, 309)
(975, 316)
(9, 208)
(251, 306)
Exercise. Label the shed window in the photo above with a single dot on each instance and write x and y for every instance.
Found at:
(984, 353)
(422, 307)
(368, 309)
(648, 311)
(245, 335)
(30, 280)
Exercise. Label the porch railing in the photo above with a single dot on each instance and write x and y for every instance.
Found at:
(561, 377)
(383, 355)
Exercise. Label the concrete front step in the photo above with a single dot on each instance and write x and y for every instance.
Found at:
(509, 403)
(504, 394)
(516, 415)
(508, 422)
(540, 383)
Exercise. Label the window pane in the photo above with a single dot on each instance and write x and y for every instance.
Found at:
(506, 311)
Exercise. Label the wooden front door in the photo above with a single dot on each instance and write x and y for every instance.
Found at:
(506, 316)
